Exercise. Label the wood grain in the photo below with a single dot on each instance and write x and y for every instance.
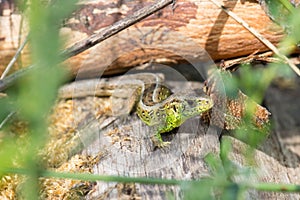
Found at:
(189, 30)
(129, 151)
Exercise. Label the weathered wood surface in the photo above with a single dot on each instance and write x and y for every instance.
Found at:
(128, 151)
(189, 30)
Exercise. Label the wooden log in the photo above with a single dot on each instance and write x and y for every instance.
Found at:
(127, 150)
(186, 31)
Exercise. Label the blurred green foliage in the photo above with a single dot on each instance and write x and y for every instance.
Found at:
(35, 94)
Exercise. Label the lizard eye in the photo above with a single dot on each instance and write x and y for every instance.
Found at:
(206, 102)
(191, 103)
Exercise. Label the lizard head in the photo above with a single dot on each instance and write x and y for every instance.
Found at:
(197, 105)
(183, 107)
(188, 106)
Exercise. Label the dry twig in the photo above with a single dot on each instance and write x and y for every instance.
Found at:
(258, 36)
(114, 29)
(93, 39)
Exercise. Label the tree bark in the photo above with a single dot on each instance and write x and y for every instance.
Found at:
(189, 30)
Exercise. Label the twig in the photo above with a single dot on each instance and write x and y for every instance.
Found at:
(93, 39)
(8, 117)
(250, 58)
(14, 59)
(114, 29)
(9, 80)
(258, 36)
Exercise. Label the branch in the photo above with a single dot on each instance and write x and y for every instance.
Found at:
(114, 29)
(93, 39)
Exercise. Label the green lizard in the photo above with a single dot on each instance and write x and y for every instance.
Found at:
(171, 113)
(156, 105)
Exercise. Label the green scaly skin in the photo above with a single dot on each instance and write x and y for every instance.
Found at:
(171, 113)
(156, 107)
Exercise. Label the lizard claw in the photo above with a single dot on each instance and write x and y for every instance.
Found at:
(158, 142)
(163, 144)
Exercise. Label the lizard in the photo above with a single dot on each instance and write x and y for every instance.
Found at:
(155, 104)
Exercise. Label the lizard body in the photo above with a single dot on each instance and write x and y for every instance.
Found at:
(156, 105)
